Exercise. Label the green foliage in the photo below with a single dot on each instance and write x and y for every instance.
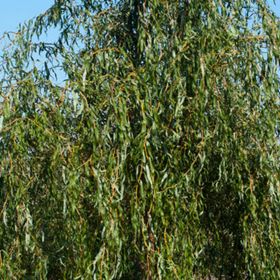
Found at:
(158, 155)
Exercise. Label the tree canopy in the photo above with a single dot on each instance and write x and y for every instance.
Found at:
(142, 143)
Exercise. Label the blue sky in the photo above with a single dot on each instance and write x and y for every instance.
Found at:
(276, 6)
(13, 12)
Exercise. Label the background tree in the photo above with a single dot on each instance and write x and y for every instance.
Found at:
(156, 157)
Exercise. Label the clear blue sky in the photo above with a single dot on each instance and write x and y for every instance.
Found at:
(13, 12)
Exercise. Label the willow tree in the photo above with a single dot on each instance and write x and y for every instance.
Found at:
(141, 143)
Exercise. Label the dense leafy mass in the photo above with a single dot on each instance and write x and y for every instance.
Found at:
(142, 143)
